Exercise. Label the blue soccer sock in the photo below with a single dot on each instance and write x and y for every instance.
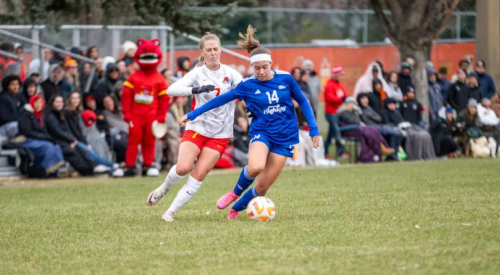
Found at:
(242, 203)
(244, 181)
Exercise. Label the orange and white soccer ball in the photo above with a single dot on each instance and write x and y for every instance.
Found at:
(261, 209)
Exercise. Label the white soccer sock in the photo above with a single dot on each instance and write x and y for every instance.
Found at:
(185, 194)
(171, 179)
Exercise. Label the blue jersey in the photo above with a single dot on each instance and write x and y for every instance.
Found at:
(272, 107)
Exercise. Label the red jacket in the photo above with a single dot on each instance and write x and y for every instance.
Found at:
(334, 96)
(145, 96)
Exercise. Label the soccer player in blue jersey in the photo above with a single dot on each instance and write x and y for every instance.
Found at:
(274, 130)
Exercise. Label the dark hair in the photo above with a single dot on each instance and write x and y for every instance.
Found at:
(389, 75)
(443, 70)
(8, 79)
(462, 62)
(50, 107)
(89, 50)
(7, 46)
(250, 43)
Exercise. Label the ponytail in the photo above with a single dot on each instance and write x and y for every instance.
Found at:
(250, 43)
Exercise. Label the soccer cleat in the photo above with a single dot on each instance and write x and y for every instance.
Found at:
(227, 199)
(156, 195)
(152, 172)
(168, 216)
(232, 214)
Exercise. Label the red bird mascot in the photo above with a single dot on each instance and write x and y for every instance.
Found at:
(144, 100)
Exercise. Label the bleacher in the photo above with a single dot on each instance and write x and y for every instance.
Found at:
(5, 168)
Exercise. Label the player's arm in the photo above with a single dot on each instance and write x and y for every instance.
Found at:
(212, 104)
(127, 99)
(163, 101)
(306, 108)
(184, 86)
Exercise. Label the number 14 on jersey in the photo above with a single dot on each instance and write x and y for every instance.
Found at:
(273, 98)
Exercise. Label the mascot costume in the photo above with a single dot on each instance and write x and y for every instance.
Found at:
(144, 101)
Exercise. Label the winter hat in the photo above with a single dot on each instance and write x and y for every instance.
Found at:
(429, 65)
(70, 63)
(473, 74)
(307, 62)
(480, 63)
(89, 97)
(405, 65)
(485, 100)
(472, 103)
(89, 117)
(337, 70)
(450, 111)
(107, 60)
(350, 99)
(431, 71)
(129, 45)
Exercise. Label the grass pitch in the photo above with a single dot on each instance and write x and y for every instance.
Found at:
(404, 218)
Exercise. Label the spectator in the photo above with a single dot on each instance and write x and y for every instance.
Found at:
(58, 58)
(19, 51)
(55, 84)
(418, 143)
(378, 96)
(117, 95)
(487, 116)
(305, 76)
(475, 91)
(106, 84)
(495, 104)
(365, 82)
(34, 66)
(429, 65)
(405, 81)
(394, 90)
(60, 132)
(241, 142)
(296, 73)
(458, 95)
(90, 104)
(469, 124)
(99, 71)
(174, 130)
(77, 51)
(32, 126)
(334, 97)
(85, 75)
(435, 97)
(71, 74)
(411, 109)
(371, 118)
(30, 88)
(314, 83)
(443, 82)
(373, 145)
(122, 69)
(129, 49)
(169, 76)
(97, 147)
(118, 128)
(10, 106)
(464, 65)
(385, 74)
(8, 66)
(184, 64)
(443, 130)
(485, 80)
(92, 53)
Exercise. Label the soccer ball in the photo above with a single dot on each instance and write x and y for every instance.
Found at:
(261, 209)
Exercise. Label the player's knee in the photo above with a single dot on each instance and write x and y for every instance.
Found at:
(255, 169)
(183, 169)
(199, 175)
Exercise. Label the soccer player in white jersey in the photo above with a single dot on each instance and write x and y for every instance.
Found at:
(206, 138)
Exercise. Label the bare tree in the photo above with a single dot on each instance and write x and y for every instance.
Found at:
(412, 28)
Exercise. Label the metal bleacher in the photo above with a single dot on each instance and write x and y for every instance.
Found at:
(5, 168)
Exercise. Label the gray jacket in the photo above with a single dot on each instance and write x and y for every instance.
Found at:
(315, 88)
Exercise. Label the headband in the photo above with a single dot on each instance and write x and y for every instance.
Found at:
(260, 57)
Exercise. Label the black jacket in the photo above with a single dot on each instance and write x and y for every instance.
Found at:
(73, 120)
(392, 117)
(10, 107)
(458, 96)
(411, 110)
(241, 139)
(29, 126)
(59, 129)
(405, 83)
(24, 97)
(105, 86)
(476, 93)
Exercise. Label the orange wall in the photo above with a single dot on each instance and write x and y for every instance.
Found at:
(353, 60)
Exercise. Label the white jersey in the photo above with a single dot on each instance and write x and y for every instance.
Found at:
(216, 123)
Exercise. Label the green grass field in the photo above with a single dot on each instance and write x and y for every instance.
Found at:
(404, 218)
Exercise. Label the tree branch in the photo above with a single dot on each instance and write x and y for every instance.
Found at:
(383, 21)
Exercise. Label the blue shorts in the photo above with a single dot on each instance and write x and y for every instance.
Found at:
(280, 149)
